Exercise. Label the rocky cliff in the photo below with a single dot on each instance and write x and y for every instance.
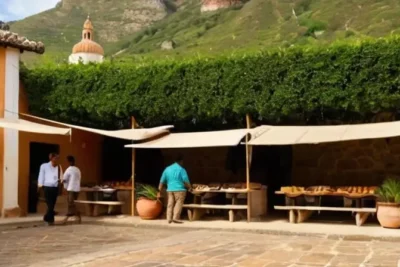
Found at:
(114, 19)
(212, 5)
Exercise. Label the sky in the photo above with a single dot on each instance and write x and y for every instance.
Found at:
(19, 9)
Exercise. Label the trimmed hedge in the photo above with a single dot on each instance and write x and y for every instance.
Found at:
(340, 82)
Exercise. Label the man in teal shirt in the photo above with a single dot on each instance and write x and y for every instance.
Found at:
(177, 181)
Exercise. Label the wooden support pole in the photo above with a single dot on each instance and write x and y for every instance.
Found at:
(248, 125)
(133, 195)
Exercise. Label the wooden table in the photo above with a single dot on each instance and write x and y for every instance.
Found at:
(197, 209)
(298, 214)
(121, 195)
(93, 207)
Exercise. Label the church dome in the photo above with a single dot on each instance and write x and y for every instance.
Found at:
(88, 46)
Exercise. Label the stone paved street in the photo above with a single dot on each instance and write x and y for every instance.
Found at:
(120, 246)
(25, 247)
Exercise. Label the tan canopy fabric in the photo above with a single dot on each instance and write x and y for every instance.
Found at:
(127, 134)
(291, 135)
(31, 127)
(197, 139)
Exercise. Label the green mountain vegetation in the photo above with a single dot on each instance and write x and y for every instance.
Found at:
(137, 28)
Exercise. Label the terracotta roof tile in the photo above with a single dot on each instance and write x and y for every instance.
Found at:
(12, 39)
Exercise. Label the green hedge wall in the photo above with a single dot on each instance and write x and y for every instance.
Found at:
(341, 82)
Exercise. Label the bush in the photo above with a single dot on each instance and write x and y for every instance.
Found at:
(139, 36)
(314, 84)
(349, 33)
(312, 25)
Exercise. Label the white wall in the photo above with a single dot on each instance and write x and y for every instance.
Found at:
(10, 182)
(85, 58)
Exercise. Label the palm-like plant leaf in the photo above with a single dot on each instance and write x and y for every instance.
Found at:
(146, 191)
(389, 191)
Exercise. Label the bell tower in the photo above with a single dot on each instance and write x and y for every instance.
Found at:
(87, 33)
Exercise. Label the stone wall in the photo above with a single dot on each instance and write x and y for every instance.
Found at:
(205, 165)
(364, 162)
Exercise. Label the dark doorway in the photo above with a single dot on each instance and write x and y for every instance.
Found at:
(273, 165)
(117, 163)
(38, 154)
(116, 160)
(279, 172)
(149, 166)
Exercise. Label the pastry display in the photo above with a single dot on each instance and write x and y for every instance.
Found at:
(372, 189)
(341, 189)
(200, 187)
(292, 189)
(226, 186)
(122, 185)
(357, 190)
(349, 191)
(108, 186)
(234, 186)
(214, 186)
(320, 189)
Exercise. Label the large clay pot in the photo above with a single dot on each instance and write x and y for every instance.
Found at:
(148, 209)
(388, 214)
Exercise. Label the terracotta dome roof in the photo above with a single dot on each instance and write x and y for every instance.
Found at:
(87, 46)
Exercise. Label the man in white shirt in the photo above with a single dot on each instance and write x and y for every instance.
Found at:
(49, 178)
(72, 183)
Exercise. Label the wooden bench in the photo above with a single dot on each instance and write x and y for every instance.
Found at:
(92, 207)
(195, 211)
(298, 214)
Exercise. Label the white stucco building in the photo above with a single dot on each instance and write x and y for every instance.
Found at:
(87, 50)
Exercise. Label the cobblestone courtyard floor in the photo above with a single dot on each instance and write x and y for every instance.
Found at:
(120, 246)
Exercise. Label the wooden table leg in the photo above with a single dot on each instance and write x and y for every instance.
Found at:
(197, 199)
(234, 199)
(347, 202)
(303, 215)
(231, 213)
(231, 216)
(319, 204)
(89, 209)
(292, 216)
(289, 201)
(190, 214)
(197, 213)
(96, 210)
(361, 217)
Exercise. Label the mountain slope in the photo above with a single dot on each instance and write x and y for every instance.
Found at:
(60, 28)
(132, 28)
(265, 23)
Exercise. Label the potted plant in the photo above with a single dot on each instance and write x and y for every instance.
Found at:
(388, 205)
(148, 205)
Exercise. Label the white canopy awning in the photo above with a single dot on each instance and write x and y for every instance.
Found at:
(127, 134)
(291, 135)
(31, 127)
(196, 139)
